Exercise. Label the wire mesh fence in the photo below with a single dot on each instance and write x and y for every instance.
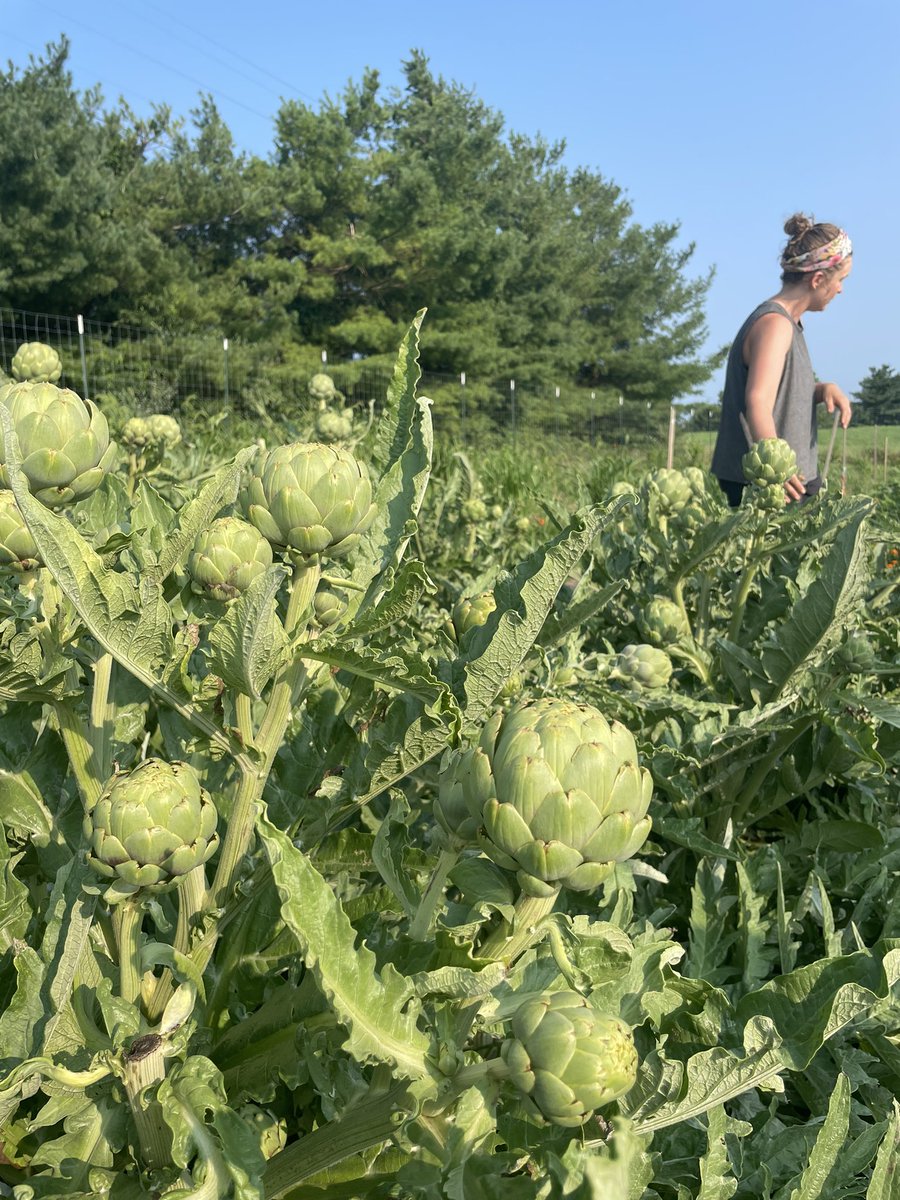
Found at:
(150, 370)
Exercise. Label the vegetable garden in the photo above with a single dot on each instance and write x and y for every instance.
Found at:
(362, 837)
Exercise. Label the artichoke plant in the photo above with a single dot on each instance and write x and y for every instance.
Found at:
(556, 791)
(136, 433)
(36, 362)
(643, 666)
(310, 499)
(473, 511)
(63, 440)
(769, 461)
(568, 1058)
(17, 549)
(150, 827)
(471, 611)
(667, 491)
(227, 557)
(334, 425)
(664, 622)
(321, 388)
(328, 607)
(164, 430)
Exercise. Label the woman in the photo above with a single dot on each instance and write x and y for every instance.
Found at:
(769, 379)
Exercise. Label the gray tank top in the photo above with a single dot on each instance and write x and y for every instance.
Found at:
(795, 403)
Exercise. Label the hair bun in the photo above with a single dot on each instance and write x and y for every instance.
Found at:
(797, 225)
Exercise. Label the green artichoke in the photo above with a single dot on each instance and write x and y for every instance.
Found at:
(321, 388)
(856, 654)
(63, 440)
(767, 497)
(311, 499)
(667, 490)
(328, 607)
(567, 1058)
(150, 828)
(227, 557)
(334, 425)
(164, 430)
(470, 611)
(496, 512)
(557, 792)
(35, 362)
(770, 460)
(17, 549)
(642, 666)
(664, 622)
(522, 525)
(136, 434)
(473, 511)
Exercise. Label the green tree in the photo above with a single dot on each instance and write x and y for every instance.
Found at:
(879, 397)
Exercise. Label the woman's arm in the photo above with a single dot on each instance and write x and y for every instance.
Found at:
(765, 349)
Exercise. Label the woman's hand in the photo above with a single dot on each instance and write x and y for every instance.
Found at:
(833, 398)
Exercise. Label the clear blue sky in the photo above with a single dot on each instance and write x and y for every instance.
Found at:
(723, 117)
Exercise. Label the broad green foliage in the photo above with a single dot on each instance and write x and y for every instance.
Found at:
(372, 850)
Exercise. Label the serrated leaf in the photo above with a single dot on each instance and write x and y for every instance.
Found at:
(379, 1012)
(249, 644)
(885, 1181)
(829, 1143)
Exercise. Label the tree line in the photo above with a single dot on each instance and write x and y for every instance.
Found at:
(369, 207)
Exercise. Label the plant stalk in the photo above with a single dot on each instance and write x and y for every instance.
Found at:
(743, 590)
(102, 716)
(191, 901)
(367, 1124)
(510, 940)
(145, 1067)
(80, 750)
(128, 918)
(431, 898)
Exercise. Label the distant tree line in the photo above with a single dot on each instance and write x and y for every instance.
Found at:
(368, 208)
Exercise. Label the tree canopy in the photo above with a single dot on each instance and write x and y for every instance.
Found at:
(370, 206)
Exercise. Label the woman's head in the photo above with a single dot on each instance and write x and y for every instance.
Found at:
(812, 247)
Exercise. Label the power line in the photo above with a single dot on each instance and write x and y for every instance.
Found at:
(159, 63)
(207, 40)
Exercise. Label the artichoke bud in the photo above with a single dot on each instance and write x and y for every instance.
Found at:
(556, 792)
(149, 828)
(18, 551)
(36, 362)
(522, 525)
(471, 611)
(271, 1130)
(310, 499)
(643, 666)
(136, 433)
(473, 511)
(567, 1058)
(667, 490)
(665, 623)
(334, 425)
(768, 461)
(767, 497)
(321, 388)
(328, 607)
(227, 557)
(63, 441)
(164, 430)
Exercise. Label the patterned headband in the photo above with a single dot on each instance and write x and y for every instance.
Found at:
(822, 257)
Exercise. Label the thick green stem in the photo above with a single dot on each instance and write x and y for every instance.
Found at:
(191, 900)
(510, 940)
(367, 1124)
(128, 918)
(103, 715)
(421, 922)
(268, 739)
(678, 596)
(243, 715)
(77, 741)
(743, 590)
(145, 1067)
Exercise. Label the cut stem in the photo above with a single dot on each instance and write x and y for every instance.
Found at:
(145, 1067)
(128, 918)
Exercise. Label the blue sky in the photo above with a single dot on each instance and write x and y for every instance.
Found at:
(723, 117)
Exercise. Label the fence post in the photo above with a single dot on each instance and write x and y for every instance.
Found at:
(512, 406)
(462, 406)
(324, 357)
(885, 457)
(84, 377)
(621, 419)
(593, 417)
(556, 412)
(670, 455)
(225, 370)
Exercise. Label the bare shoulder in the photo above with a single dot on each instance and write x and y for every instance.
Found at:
(771, 333)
